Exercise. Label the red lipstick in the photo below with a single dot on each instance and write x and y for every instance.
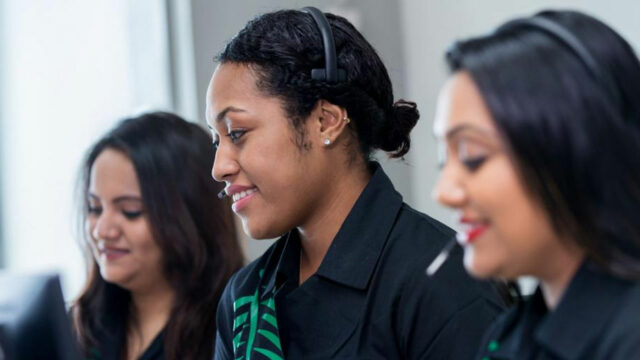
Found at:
(474, 229)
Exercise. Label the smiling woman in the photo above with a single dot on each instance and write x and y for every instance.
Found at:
(543, 168)
(160, 246)
(346, 277)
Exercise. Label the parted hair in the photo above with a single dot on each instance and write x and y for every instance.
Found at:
(193, 229)
(575, 140)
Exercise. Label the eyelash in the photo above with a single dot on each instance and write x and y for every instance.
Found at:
(235, 135)
(474, 163)
(130, 215)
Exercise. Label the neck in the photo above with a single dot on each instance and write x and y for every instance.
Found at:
(152, 307)
(558, 275)
(317, 234)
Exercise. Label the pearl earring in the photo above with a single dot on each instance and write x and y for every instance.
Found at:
(327, 142)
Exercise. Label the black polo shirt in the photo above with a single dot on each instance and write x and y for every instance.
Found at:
(111, 342)
(597, 318)
(369, 299)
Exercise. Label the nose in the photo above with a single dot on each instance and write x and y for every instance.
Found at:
(449, 190)
(225, 164)
(105, 227)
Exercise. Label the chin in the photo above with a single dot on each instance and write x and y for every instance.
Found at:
(113, 277)
(260, 231)
(475, 266)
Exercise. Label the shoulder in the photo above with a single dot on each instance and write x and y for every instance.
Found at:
(622, 339)
(416, 238)
(444, 315)
(414, 242)
(447, 304)
(423, 224)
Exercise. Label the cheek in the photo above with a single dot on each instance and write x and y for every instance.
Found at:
(143, 245)
(287, 183)
(487, 258)
(280, 206)
(514, 224)
(89, 227)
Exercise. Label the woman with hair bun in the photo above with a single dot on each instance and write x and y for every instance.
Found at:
(346, 277)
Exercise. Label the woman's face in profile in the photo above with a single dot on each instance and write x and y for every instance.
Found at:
(274, 182)
(508, 232)
(120, 233)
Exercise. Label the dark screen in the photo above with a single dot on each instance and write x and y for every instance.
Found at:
(33, 320)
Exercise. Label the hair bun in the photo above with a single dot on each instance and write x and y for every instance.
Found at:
(394, 134)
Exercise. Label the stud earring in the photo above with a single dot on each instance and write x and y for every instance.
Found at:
(327, 142)
(346, 119)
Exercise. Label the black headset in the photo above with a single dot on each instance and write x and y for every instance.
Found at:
(568, 39)
(331, 73)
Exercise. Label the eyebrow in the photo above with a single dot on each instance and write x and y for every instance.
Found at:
(224, 112)
(119, 199)
(465, 127)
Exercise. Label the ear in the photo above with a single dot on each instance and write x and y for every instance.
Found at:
(331, 121)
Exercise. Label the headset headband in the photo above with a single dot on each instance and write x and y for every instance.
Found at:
(573, 43)
(330, 73)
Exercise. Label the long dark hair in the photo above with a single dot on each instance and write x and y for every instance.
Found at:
(193, 229)
(574, 137)
(284, 46)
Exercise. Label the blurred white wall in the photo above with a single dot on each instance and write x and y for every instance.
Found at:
(71, 70)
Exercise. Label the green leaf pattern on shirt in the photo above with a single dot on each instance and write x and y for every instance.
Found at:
(250, 317)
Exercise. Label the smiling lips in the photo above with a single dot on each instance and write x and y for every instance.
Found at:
(473, 229)
(112, 253)
(240, 195)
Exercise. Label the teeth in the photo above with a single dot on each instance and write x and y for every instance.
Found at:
(242, 194)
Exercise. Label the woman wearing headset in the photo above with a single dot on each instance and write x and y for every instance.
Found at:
(346, 278)
(543, 167)
(160, 247)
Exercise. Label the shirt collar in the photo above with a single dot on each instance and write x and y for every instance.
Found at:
(588, 304)
(516, 329)
(282, 265)
(354, 252)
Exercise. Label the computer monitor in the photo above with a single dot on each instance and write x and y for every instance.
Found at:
(33, 320)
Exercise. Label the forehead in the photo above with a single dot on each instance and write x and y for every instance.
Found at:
(232, 85)
(461, 103)
(113, 171)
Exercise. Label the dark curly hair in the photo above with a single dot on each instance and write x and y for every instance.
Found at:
(283, 47)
